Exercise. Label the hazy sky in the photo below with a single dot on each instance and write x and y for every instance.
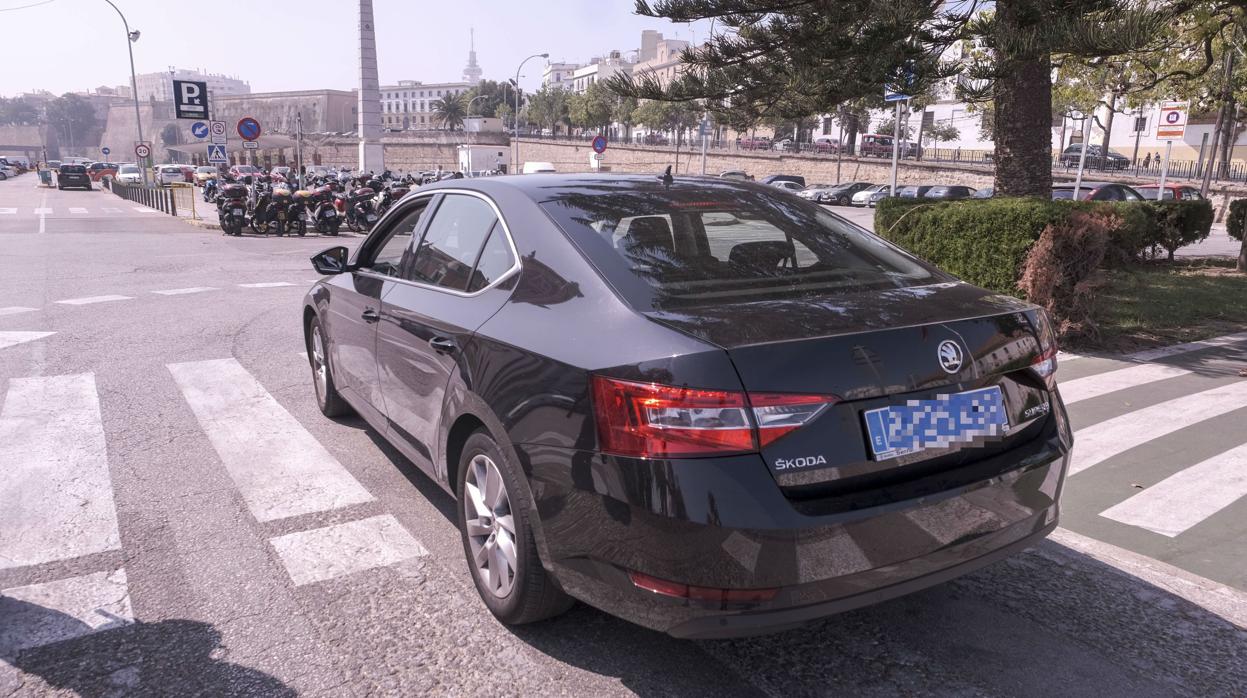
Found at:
(67, 45)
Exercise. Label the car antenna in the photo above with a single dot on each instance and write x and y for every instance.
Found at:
(666, 177)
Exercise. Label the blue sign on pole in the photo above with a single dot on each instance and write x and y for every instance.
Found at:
(105, 150)
(216, 153)
(599, 144)
(199, 129)
(248, 128)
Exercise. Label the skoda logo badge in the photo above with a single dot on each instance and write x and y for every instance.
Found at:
(950, 356)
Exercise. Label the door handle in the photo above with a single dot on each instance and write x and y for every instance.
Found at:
(370, 315)
(443, 345)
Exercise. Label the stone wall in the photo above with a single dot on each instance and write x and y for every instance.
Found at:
(573, 156)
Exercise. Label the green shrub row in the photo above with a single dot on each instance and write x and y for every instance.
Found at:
(986, 241)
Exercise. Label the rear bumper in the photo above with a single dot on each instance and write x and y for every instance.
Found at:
(724, 524)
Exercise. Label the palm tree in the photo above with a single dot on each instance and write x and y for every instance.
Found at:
(449, 111)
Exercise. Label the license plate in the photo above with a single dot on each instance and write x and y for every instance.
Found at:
(948, 419)
(238, 212)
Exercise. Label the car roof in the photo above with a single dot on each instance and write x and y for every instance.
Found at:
(1086, 185)
(547, 187)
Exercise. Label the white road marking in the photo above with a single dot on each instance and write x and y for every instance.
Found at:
(1063, 356)
(111, 209)
(267, 284)
(1099, 442)
(144, 209)
(14, 310)
(280, 468)
(1162, 352)
(88, 300)
(56, 499)
(1187, 497)
(43, 211)
(77, 209)
(63, 609)
(7, 211)
(1112, 381)
(12, 339)
(332, 551)
(184, 291)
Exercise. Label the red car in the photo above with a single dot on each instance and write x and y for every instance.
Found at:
(100, 170)
(754, 143)
(1182, 192)
(240, 171)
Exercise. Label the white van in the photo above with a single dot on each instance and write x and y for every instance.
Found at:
(538, 167)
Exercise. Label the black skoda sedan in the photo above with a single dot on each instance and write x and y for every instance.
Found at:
(705, 406)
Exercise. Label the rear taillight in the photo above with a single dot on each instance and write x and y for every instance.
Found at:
(711, 595)
(649, 420)
(1044, 365)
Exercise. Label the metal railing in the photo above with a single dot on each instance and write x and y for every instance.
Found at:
(159, 198)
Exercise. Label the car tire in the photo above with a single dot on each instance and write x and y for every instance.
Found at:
(328, 399)
(531, 594)
(3, 176)
(842, 201)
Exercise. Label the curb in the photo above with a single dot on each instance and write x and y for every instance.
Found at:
(200, 223)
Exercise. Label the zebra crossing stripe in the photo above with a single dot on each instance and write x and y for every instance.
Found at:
(14, 310)
(184, 291)
(40, 614)
(1162, 352)
(1099, 442)
(1187, 497)
(77, 209)
(1112, 381)
(12, 339)
(267, 284)
(110, 209)
(8, 211)
(56, 499)
(279, 468)
(94, 299)
(333, 551)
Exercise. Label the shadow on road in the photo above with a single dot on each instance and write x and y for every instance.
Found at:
(168, 658)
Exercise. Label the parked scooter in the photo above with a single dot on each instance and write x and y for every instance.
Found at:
(324, 215)
(232, 208)
(271, 209)
(359, 213)
(296, 212)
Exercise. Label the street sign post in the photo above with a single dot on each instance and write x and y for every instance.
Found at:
(599, 144)
(105, 150)
(248, 128)
(190, 99)
(216, 154)
(217, 129)
(199, 129)
(142, 150)
(1171, 127)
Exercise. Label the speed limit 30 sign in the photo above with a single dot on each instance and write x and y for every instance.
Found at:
(1172, 124)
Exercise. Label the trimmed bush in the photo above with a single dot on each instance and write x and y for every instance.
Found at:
(1181, 223)
(982, 241)
(1236, 221)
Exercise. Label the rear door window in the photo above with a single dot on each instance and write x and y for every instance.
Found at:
(452, 244)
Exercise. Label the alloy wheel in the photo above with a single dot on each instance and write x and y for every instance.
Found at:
(320, 370)
(490, 526)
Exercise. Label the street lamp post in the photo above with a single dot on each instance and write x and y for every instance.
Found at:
(516, 166)
(473, 101)
(133, 36)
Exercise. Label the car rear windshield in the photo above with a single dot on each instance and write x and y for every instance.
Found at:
(661, 250)
(73, 169)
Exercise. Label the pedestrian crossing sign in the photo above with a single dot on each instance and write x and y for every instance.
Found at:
(216, 153)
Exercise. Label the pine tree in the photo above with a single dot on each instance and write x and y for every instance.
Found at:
(794, 58)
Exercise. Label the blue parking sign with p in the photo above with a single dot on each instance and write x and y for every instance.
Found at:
(199, 129)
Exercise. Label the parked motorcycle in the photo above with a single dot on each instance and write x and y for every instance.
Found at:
(210, 190)
(232, 208)
(324, 215)
(359, 212)
(296, 212)
(271, 208)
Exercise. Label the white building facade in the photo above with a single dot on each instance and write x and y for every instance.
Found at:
(408, 105)
(599, 69)
(159, 85)
(558, 74)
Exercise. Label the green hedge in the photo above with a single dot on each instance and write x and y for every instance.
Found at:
(1236, 221)
(982, 241)
(985, 241)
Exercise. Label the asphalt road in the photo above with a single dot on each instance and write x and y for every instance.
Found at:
(141, 554)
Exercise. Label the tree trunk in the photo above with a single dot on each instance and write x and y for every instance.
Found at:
(1023, 103)
(1227, 138)
(851, 124)
(1108, 125)
(1242, 256)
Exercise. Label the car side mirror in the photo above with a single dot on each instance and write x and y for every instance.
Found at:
(331, 261)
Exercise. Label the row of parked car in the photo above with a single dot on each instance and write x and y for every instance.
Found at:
(869, 194)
